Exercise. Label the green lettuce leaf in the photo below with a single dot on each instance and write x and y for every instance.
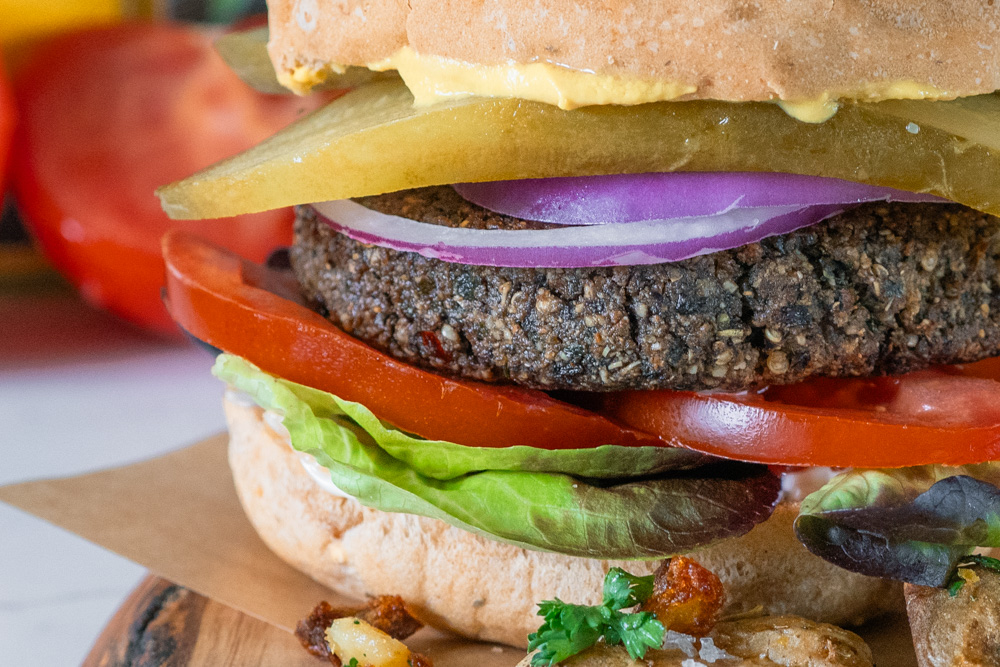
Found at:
(515, 500)
(909, 524)
(446, 460)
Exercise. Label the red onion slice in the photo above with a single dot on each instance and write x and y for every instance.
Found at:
(618, 198)
(646, 242)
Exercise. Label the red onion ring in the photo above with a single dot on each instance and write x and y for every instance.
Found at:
(646, 242)
(619, 198)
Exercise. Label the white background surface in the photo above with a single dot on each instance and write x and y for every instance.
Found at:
(78, 392)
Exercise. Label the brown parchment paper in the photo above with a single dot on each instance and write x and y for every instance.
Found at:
(178, 516)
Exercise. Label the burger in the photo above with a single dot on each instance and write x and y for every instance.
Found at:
(583, 285)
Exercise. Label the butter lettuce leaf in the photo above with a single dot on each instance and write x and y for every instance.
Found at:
(520, 495)
(909, 524)
(446, 460)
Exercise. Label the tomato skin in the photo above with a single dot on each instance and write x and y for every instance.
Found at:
(948, 417)
(945, 416)
(108, 115)
(7, 120)
(253, 312)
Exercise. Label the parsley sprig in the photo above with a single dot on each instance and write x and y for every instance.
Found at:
(957, 581)
(570, 628)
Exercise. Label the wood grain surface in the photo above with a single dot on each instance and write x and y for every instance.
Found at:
(165, 625)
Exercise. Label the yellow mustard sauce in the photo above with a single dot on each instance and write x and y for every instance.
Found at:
(433, 79)
(824, 107)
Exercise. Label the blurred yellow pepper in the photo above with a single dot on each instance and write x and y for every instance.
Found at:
(22, 21)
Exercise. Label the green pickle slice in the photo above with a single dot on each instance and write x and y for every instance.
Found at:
(373, 140)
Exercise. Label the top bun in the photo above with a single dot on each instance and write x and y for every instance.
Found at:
(738, 50)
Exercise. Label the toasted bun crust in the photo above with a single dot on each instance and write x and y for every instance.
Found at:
(488, 590)
(730, 50)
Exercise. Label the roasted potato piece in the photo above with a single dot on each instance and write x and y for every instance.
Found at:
(352, 638)
(963, 629)
(311, 630)
(792, 641)
(686, 598)
(773, 641)
(386, 613)
(389, 614)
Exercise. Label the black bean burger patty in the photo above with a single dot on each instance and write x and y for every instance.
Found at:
(883, 288)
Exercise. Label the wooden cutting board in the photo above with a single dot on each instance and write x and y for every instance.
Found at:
(162, 624)
(165, 625)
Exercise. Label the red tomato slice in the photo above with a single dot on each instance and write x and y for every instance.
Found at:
(949, 416)
(108, 115)
(6, 126)
(254, 312)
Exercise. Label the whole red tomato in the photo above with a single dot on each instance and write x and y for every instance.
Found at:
(6, 125)
(109, 114)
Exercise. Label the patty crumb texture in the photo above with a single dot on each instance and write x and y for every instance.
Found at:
(880, 289)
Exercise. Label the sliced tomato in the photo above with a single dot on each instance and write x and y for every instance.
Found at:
(251, 311)
(108, 115)
(949, 415)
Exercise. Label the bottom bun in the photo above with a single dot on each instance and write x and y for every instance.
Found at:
(489, 590)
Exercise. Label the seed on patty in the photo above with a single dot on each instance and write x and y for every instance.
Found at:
(855, 295)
